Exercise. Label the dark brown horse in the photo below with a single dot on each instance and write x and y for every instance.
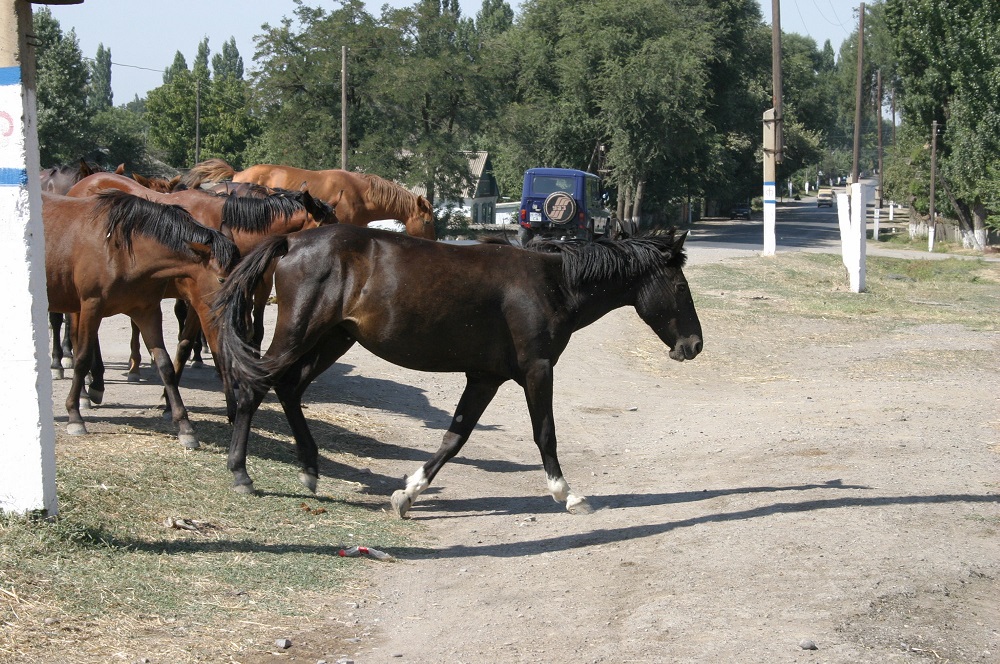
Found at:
(360, 198)
(493, 312)
(248, 216)
(116, 254)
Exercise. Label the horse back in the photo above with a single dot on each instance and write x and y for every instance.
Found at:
(424, 305)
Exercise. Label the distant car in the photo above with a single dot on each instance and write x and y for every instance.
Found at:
(824, 197)
(562, 203)
(741, 211)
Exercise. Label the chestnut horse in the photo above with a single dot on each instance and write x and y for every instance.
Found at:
(360, 198)
(494, 312)
(115, 253)
(247, 216)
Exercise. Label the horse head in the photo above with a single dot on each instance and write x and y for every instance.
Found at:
(421, 222)
(663, 298)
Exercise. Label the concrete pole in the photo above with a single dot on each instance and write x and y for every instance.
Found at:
(932, 222)
(27, 454)
(770, 190)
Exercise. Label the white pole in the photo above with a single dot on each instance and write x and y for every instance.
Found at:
(27, 454)
(875, 225)
(770, 190)
(857, 240)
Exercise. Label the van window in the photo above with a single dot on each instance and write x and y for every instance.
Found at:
(543, 185)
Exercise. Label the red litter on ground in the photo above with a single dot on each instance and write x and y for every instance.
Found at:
(356, 551)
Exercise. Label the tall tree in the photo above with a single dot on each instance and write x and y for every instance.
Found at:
(62, 92)
(99, 94)
(178, 66)
(228, 63)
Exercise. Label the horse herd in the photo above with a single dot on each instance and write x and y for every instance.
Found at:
(493, 311)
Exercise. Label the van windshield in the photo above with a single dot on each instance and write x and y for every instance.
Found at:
(543, 185)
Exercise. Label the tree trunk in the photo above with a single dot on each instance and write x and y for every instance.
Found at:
(979, 230)
(627, 211)
(637, 204)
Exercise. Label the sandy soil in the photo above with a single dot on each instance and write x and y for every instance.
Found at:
(793, 484)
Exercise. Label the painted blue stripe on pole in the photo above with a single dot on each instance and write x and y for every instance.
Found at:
(768, 183)
(10, 75)
(771, 202)
(13, 177)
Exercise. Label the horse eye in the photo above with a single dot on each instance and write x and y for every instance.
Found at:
(222, 280)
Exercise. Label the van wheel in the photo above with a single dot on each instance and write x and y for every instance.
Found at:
(524, 235)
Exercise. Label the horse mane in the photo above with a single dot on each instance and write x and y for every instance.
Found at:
(170, 225)
(389, 195)
(605, 259)
(259, 207)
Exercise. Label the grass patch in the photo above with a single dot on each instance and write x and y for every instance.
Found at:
(899, 291)
(109, 567)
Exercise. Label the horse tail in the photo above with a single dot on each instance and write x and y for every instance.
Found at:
(239, 362)
(210, 170)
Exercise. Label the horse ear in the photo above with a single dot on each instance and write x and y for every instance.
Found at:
(85, 169)
(335, 203)
(144, 181)
(679, 241)
(174, 181)
(121, 169)
(424, 205)
(226, 231)
(304, 186)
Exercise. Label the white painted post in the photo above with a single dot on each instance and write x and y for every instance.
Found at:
(770, 190)
(27, 454)
(844, 219)
(892, 208)
(875, 225)
(858, 240)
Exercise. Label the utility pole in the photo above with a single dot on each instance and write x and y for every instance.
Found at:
(197, 121)
(773, 135)
(878, 104)
(932, 224)
(857, 99)
(343, 107)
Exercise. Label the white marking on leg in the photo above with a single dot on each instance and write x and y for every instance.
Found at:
(416, 483)
(559, 489)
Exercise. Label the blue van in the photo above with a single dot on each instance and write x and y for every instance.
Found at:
(562, 203)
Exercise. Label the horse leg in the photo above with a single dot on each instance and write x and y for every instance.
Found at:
(96, 388)
(135, 355)
(290, 387)
(479, 391)
(538, 393)
(85, 326)
(150, 322)
(184, 313)
(190, 331)
(56, 323)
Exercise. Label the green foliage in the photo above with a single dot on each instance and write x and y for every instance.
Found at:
(63, 118)
(121, 137)
(99, 94)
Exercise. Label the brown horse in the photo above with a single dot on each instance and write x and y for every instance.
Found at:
(360, 198)
(247, 216)
(493, 312)
(116, 254)
(161, 185)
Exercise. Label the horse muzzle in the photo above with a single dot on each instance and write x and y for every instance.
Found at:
(686, 349)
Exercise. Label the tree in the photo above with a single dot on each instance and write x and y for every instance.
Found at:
(99, 94)
(62, 92)
(228, 63)
(171, 115)
(949, 72)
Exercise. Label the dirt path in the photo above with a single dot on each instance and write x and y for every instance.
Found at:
(791, 484)
(784, 487)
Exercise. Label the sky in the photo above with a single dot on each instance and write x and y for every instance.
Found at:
(144, 36)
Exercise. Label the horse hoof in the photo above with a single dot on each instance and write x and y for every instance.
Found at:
(245, 489)
(132, 378)
(309, 481)
(96, 396)
(578, 505)
(401, 503)
(197, 364)
(58, 374)
(66, 362)
(189, 441)
(76, 429)
(85, 403)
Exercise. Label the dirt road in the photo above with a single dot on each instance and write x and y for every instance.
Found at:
(794, 487)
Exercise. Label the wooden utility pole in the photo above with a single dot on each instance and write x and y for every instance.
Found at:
(878, 104)
(197, 121)
(343, 107)
(857, 99)
(932, 225)
(772, 135)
